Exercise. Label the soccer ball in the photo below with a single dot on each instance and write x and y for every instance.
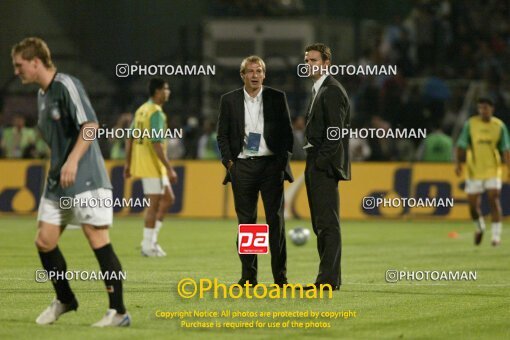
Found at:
(299, 236)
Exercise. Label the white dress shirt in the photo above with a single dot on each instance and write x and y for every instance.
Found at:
(316, 86)
(254, 122)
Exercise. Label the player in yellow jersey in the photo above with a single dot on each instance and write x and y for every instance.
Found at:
(487, 142)
(146, 159)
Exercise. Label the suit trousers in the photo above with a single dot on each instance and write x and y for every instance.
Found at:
(264, 175)
(324, 202)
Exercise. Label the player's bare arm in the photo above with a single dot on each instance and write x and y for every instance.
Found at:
(70, 167)
(127, 165)
(172, 175)
(506, 157)
(461, 157)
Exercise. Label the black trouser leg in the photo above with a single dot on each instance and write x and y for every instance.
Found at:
(272, 196)
(322, 190)
(311, 205)
(245, 187)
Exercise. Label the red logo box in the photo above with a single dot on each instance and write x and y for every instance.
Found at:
(253, 239)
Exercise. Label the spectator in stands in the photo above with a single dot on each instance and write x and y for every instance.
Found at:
(382, 149)
(38, 150)
(191, 136)
(175, 147)
(435, 95)
(359, 148)
(207, 144)
(17, 138)
(118, 146)
(437, 147)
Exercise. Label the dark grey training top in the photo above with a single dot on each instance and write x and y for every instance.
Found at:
(63, 108)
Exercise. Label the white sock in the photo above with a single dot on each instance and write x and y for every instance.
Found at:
(497, 228)
(157, 228)
(147, 236)
(480, 224)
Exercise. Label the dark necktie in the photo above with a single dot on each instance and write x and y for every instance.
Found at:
(309, 109)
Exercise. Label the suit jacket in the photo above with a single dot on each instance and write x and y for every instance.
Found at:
(331, 109)
(277, 127)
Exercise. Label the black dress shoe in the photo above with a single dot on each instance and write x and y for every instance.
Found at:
(243, 281)
(326, 286)
(281, 283)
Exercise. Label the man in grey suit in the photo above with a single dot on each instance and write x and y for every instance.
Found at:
(327, 162)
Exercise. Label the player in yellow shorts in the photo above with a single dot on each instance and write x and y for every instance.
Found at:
(487, 142)
(146, 159)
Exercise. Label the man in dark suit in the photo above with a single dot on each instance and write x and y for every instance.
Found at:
(327, 161)
(255, 140)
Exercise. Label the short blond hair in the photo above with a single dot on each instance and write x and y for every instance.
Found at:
(33, 47)
(252, 59)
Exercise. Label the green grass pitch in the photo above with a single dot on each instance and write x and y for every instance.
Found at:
(206, 249)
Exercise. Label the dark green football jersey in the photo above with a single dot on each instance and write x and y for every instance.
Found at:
(63, 108)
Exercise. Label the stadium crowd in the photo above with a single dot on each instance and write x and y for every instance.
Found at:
(440, 48)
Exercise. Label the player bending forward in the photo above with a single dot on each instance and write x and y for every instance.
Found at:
(485, 138)
(76, 170)
(146, 159)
